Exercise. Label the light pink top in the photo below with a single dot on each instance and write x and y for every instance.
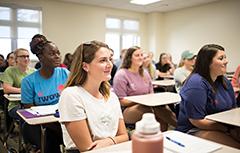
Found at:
(127, 83)
(235, 80)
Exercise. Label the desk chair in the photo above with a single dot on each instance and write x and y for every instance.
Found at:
(9, 126)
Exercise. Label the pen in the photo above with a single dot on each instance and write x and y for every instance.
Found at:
(174, 141)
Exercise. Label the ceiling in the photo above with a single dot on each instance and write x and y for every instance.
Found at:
(162, 6)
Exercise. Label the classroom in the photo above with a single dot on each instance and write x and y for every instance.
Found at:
(67, 24)
(167, 27)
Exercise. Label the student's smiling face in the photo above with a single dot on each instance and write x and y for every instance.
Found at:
(22, 58)
(101, 66)
(51, 56)
(137, 58)
(219, 63)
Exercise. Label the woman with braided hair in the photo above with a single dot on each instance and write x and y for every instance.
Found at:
(43, 87)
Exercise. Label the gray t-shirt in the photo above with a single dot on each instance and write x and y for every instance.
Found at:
(180, 75)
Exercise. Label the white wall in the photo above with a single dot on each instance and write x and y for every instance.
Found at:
(155, 28)
(191, 28)
(69, 24)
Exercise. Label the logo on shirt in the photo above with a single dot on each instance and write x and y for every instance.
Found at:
(60, 87)
(49, 98)
(40, 94)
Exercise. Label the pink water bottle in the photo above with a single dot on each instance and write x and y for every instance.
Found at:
(147, 137)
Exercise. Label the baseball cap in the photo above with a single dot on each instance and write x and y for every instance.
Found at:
(187, 55)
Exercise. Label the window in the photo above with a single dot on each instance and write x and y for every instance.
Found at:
(17, 26)
(121, 33)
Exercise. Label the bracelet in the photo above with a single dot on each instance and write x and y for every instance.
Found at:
(112, 140)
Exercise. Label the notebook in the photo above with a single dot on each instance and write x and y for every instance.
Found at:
(43, 110)
(38, 111)
(184, 143)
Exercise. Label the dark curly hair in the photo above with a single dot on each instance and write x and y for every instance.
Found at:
(37, 44)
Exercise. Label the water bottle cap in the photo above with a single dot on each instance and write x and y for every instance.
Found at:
(148, 124)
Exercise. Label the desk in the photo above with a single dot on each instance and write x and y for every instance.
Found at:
(228, 117)
(13, 97)
(167, 77)
(40, 120)
(125, 147)
(164, 82)
(156, 99)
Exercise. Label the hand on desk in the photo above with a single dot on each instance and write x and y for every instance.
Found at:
(101, 143)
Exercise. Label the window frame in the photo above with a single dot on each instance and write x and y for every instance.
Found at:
(121, 31)
(14, 24)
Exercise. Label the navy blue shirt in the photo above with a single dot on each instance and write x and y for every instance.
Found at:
(199, 100)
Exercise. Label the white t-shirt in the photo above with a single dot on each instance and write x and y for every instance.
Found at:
(76, 104)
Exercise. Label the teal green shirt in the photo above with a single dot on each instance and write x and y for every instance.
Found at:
(13, 76)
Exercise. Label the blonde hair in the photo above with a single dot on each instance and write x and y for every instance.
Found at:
(85, 52)
(18, 50)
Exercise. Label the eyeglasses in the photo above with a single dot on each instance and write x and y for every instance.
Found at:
(23, 56)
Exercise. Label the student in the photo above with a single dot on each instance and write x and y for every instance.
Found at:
(43, 87)
(205, 92)
(2, 60)
(236, 78)
(114, 68)
(151, 56)
(132, 80)
(236, 83)
(68, 60)
(118, 62)
(90, 113)
(12, 78)
(185, 68)
(164, 66)
(149, 66)
(10, 61)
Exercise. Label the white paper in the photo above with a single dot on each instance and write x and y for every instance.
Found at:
(191, 143)
(14, 96)
(43, 110)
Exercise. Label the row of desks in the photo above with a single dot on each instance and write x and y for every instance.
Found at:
(157, 99)
(192, 145)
